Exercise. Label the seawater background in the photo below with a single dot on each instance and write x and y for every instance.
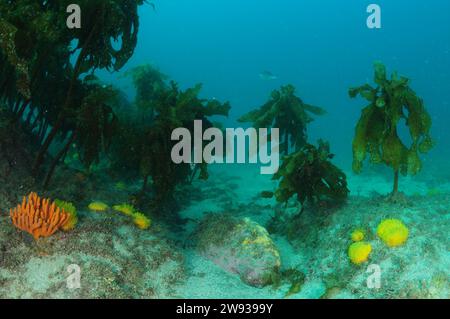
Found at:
(323, 47)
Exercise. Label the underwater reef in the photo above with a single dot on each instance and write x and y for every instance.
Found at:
(87, 181)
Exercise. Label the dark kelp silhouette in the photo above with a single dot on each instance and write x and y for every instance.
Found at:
(38, 82)
(310, 175)
(149, 83)
(145, 145)
(287, 112)
(175, 109)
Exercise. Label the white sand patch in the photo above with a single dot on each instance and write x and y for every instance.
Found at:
(207, 280)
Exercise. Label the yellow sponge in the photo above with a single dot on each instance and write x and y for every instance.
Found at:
(141, 221)
(125, 209)
(392, 232)
(357, 235)
(70, 209)
(359, 252)
(98, 207)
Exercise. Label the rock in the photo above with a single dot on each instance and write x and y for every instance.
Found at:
(239, 246)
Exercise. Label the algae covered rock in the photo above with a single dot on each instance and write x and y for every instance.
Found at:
(239, 246)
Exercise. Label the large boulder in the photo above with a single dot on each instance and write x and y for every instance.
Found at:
(240, 246)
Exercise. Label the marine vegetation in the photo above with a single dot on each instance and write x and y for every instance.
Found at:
(145, 146)
(149, 83)
(359, 252)
(392, 232)
(39, 217)
(289, 113)
(82, 117)
(310, 175)
(91, 129)
(31, 62)
(377, 131)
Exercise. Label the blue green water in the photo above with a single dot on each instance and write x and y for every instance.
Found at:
(321, 47)
(214, 238)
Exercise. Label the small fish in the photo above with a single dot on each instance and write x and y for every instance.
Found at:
(267, 76)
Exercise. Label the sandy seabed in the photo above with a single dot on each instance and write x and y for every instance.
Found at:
(117, 260)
